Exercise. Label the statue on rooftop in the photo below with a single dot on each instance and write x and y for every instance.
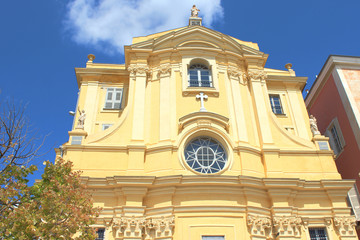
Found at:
(194, 11)
(313, 126)
(81, 119)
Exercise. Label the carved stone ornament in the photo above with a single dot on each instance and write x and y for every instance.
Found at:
(136, 227)
(345, 225)
(257, 75)
(138, 69)
(259, 225)
(313, 126)
(164, 69)
(288, 226)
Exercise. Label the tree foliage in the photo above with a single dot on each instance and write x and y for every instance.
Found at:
(56, 207)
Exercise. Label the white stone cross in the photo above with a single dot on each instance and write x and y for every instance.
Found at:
(202, 96)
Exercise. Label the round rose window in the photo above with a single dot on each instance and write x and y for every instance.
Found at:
(205, 155)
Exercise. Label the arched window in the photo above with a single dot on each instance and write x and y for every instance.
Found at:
(199, 76)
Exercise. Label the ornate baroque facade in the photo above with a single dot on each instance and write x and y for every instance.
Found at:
(193, 138)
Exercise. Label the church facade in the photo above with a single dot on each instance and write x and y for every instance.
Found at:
(193, 138)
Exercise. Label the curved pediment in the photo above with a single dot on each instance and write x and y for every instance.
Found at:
(197, 37)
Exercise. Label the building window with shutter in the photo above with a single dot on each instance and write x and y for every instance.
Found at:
(336, 139)
(212, 238)
(113, 98)
(317, 234)
(275, 104)
(353, 199)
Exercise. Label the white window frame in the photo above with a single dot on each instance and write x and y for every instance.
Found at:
(201, 68)
(113, 100)
(272, 103)
(336, 141)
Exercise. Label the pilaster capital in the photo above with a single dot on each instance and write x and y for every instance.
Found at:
(259, 226)
(288, 225)
(236, 73)
(164, 70)
(257, 75)
(159, 228)
(345, 225)
(138, 69)
(129, 226)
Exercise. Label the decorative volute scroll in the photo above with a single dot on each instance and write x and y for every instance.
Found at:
(257, 75)
(260, 226)
(159, 228)
(137, 69)
(137, 227)
(345, 225)
(164, 70)
(287, 226)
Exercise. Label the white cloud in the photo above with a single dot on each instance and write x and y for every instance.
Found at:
(111, 24)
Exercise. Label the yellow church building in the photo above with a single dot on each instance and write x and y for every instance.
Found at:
(194, 138)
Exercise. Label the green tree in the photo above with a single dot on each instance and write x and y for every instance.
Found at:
(56, 207)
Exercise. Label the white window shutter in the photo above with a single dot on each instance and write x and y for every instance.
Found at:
(353, 196)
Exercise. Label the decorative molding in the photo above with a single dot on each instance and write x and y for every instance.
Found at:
(164, 69)
(135, 69)
(259, 225)
(345, 225)
(152, 227)
(234, 72)
(288, 226)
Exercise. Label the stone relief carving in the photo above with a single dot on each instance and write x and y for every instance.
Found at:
(345, 225)
(138, 69)
(234, 72)
(287, 225)
(151, 228)
(194, 11)
(259, 225)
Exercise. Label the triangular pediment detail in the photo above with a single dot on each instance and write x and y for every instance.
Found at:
(197, 37)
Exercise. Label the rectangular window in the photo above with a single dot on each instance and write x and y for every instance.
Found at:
(276, 104)
(100, 232)
(336, 139)
(212, 238)
(317, 234)
(113, 98)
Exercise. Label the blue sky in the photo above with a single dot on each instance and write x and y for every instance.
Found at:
(43, 41)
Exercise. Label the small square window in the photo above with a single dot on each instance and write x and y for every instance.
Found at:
(275, 103)
(100, 232)
(113, 98)
(106, 126)
(317, 234)
(76, 140)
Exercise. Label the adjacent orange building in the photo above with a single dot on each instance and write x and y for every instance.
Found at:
(334, 100)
